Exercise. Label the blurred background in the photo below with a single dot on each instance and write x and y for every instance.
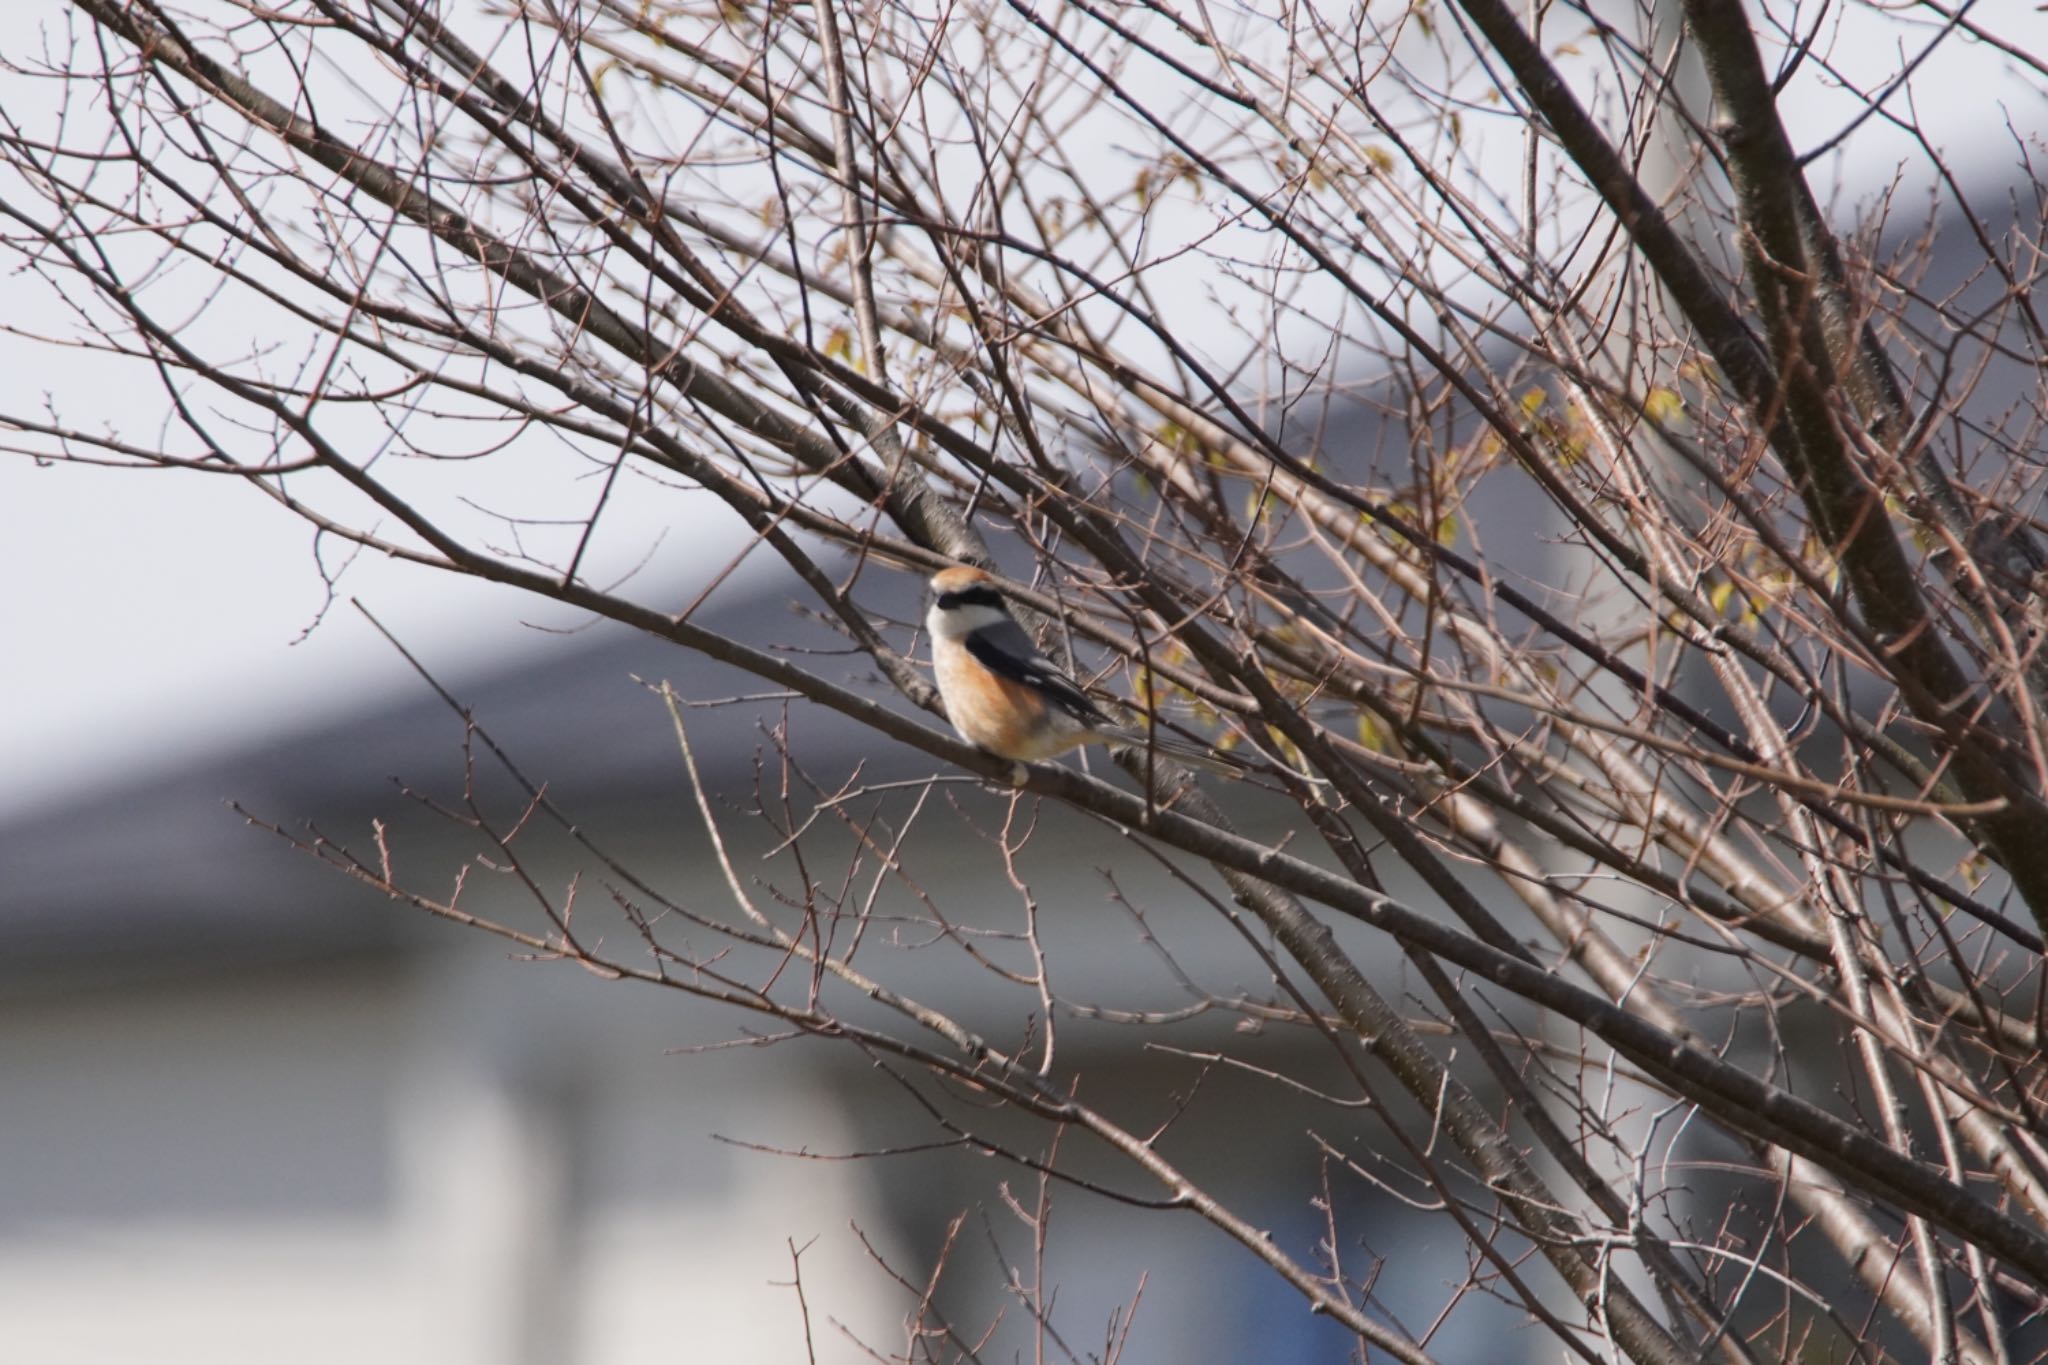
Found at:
(249, 1103)
(251, 1111)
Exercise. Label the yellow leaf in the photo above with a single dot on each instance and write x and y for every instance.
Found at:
(1663, 405)
(1285, 745)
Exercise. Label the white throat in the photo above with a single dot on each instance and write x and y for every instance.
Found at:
(957, 623)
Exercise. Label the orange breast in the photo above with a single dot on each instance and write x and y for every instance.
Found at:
(1003, 717)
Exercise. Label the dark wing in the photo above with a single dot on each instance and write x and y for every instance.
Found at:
(1006, 651)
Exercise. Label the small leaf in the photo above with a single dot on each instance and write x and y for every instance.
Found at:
(1285, 745)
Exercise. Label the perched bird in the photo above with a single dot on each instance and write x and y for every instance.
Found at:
(1005, 696)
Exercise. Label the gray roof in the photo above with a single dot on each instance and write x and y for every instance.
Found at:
(164, 865)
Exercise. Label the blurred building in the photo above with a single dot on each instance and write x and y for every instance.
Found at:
(251, 1111)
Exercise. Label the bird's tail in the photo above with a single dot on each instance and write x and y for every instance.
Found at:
(1208, 760)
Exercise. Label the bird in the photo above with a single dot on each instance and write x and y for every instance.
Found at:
(1004, 696)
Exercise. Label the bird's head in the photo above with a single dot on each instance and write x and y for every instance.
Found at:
(963, 600)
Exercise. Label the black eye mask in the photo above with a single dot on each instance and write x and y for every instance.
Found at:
(980, 595)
